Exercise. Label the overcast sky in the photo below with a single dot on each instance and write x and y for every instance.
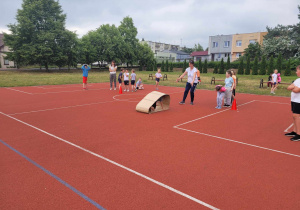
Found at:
(182, 22)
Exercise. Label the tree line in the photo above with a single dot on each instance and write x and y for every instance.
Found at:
(40, 37)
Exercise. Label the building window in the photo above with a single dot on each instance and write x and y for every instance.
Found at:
(253, 41)
(215, 44)
(226, 43)
(239, 43)
(238, 55)
(219, 56)
(6, 62)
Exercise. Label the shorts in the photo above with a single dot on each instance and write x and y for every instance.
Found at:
(233, 92)
(120, 81)
(199, 78)
(275, 83)
(295, 107)
(132, 82)
(157, 79)
(126, 82)
(84, 80)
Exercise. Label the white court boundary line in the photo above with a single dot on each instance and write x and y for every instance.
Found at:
(231, 140)
(117, 164)
(64, 107)
(19, 91)
(287, 130)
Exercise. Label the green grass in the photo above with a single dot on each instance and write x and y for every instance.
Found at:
(246, 83)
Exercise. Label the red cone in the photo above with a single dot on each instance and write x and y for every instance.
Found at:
(120, 90)
(233, 106)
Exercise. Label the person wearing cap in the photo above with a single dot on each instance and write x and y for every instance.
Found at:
(192, 82)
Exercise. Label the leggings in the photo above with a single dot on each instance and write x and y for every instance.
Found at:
(190, 88)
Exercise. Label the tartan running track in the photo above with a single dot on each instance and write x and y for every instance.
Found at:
(66, 148)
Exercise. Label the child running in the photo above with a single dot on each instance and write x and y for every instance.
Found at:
(132, 79)
(139, 85)
(220, 95)
(120, 77)
(275, 81)
(157, 78)
(85, 71)
(126, 80)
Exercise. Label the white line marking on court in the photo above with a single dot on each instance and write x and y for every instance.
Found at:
(47, 87)
(119, 165)
(252, 145)
(69, 91)
(211, 115)
(20, 91)
(287, 130)
(64, 107)
(273, 102)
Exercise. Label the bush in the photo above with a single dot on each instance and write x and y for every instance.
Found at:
(247, 72)
(255, 66)
(221, 71)
(271, 65)
(200, 65)
(205, 66)
(228, 63)
(241, 67)
(288, 69)
(163, 66)
(184, 66)
(215, 69)
(262, 70)
(279, 63)
(167, 66)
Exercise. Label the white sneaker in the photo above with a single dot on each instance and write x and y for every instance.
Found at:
(128, 90)
(115, 88)
(110, 88)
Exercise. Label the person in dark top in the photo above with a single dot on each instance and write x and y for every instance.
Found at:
(270, 81)
(120, 77)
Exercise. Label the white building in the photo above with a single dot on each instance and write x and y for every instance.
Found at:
(3, 50)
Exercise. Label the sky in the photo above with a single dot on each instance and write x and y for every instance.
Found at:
(180, 22)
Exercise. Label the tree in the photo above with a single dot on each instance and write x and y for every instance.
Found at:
(255, 66)
(171, 67)
(228, 63)
(253, 50)
(221, 71)
(216, 69)
(247, 72)
(184, 66)
(145, 54)
(205, 66)
(155, 66)
(38, 36)
(167, 65)
(262, 70)
(241, 67)
(279, 63)
(198, 47)
(288, 69)
(200, 65)
(271, 65)
(163, 66)
(187, 50)
(129, 32)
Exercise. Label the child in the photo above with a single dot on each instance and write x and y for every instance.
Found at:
(220, 95)
(139, 85)
(126, 80)
(198, 76)
(275, 81)
(132, 79)
(229, 83)
(153, 107)
(234, 85)
(270, 81)
(278, 78)
(157, 78)
(85, 71)
(295, 103)
(120, 78)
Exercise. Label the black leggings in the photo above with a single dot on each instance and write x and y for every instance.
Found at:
(190, 88)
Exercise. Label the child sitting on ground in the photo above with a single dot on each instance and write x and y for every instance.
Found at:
(139, 85)
(220, 95)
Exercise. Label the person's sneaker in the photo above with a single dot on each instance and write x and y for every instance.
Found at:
(128, 90)
(296, 138)
(181, 102)
(115, 89)
(110, 88)
(192, 103)
(291, 134)
(135, 90)
(225, 105)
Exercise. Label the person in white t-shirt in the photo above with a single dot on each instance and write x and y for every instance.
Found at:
(295, 104)
(275, 81)
(158, 76)
(192, 82)
(113, 75)
(126, 80)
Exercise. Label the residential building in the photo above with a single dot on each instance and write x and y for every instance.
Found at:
(219, 47)
(3, 50)
(165, 55)
(200, 55)
(241, 41)
(158, 46)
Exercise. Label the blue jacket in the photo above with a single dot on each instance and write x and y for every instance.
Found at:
(85, 71)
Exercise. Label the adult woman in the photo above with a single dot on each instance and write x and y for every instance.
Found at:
(112, 74)
(191, 82)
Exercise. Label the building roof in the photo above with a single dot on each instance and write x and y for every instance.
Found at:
(199, 53)
(1, 40)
